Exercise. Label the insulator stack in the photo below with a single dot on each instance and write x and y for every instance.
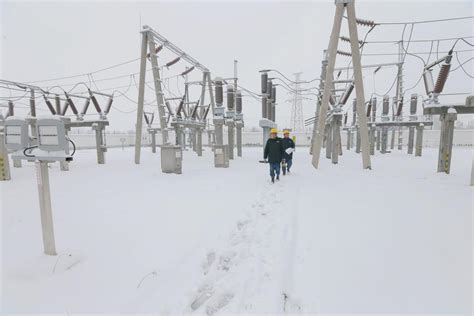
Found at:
(57, 101)
(413, 103)
(238, 102)
(11, 109)
(86, 106)
(269, 89)
(171, 63)
(345, 119)
(340, 52)
(373, 102)
(32, 106)
(109, 105)
(181, 103)
(230, 97)
(428, 81)
(264, 106)
(66, 106)
(264, 79)
(72, 105)
(184, 73)
(50, 106)
(442, 77)
(219, 91)
(269, 109)
(274, 94)
(157, 50)
(369, 109)
(332, 101)
(400, 107)
(385, 105)
(348, 40)
(147, 121)
(206, 113)
(347, 94)
(96, 104)
(365, 22)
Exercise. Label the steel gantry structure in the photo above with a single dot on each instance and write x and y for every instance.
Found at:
(341, 6)
(189, 115)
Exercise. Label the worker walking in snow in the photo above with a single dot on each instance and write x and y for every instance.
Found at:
(274, 153)
(289, 148)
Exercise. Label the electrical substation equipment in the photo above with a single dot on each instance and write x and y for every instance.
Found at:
(51, 145)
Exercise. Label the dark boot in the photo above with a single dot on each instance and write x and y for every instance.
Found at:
(273, 179)
(278, 177)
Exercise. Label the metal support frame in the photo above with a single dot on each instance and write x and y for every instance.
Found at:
(158, 89)
(359, 86)
(446, 141)
(45, 208)
(5, 173)
(141, 96)
(419, 140)
(152, 132)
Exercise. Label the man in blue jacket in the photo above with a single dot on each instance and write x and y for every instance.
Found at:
(274, 153)
(289, 148)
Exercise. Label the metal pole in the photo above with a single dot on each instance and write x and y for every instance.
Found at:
(153, 141)
(378, 138)
(357, 150)
(446, 142)
(384, 140)
(239, 140)
(230, 139)
(372, 140)
(4, 162)
(332, 49)
(359, 85)
(203, 96)
(99, 143)
(336, 140)
(141, 96)
(401, 53)
(45, 208)
(348, 141)
(158, 90)
(199, 142)
(419, 140)
(329, 140)
(411, 139)
(33, 114)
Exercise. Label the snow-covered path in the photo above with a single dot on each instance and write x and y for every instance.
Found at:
(397, 239)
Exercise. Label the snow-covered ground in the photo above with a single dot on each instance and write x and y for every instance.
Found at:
(397, 239)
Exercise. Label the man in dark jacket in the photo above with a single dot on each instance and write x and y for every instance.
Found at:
(288, 147)
(274, 152)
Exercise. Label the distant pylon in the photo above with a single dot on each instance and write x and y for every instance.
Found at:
(297, 122)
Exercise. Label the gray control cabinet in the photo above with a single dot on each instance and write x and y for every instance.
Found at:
(171, 159)
(221, 156)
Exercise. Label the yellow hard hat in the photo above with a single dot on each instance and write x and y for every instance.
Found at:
(273, 131)
(286, 131)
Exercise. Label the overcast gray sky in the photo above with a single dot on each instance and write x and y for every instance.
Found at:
(44, 40)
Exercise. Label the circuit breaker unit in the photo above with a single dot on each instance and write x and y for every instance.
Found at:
(171, 159)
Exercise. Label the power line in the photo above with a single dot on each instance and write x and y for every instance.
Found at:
(423, 21)
(85, 74)
(417, 53)
(420, 40)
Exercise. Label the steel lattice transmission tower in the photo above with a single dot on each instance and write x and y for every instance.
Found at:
(297, 123)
